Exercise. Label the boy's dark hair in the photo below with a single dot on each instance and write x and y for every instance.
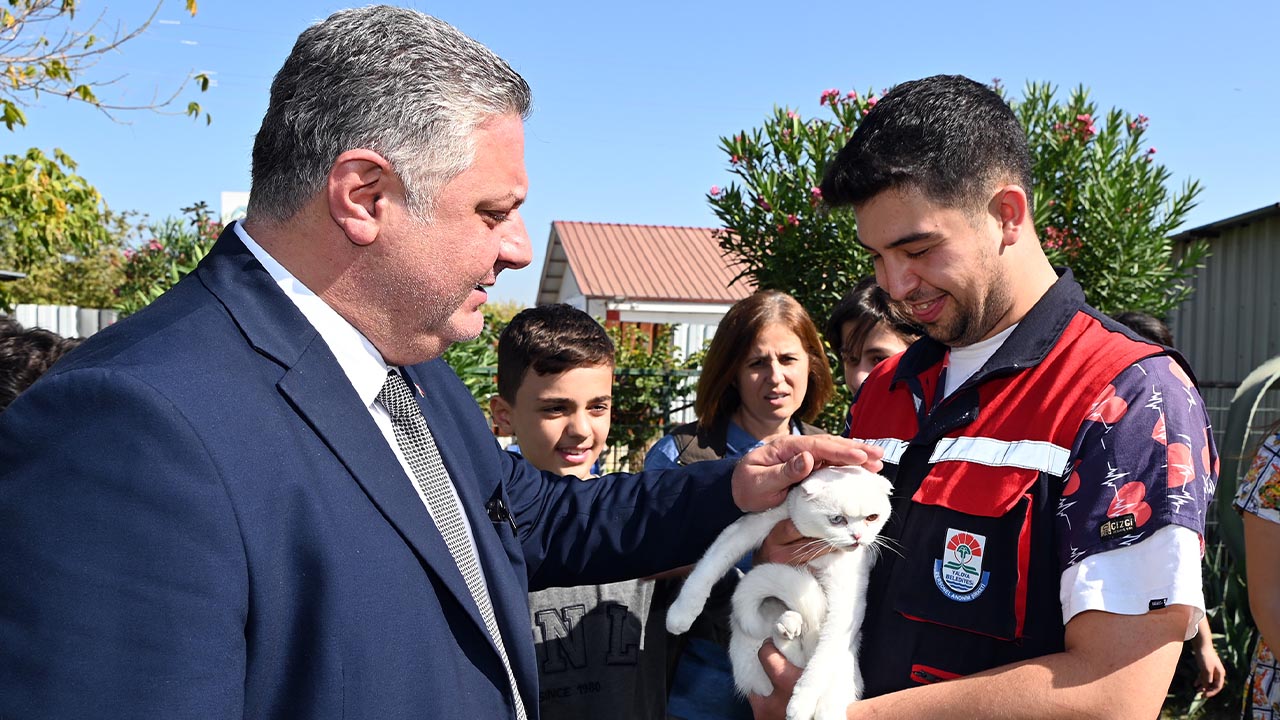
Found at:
(866, 305)
(1148, 326)
(25, 356)
(549, 339)
(946, 136)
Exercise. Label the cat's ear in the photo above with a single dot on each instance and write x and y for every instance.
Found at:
(811, 486)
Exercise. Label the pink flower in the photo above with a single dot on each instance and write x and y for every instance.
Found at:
(734, 159)
(792, 114)
(793, 219)
(1085, 118)
(832, 96)
(1151, 151)
(853, 95)
(155, 245)
(816, 192)
(715, 190)
(871, 101)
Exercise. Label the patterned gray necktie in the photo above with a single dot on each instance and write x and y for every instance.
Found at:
(435, 487)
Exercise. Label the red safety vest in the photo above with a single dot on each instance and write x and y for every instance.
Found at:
(976, 485)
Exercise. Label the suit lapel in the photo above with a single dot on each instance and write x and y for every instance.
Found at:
(475, 488)
(316, 385)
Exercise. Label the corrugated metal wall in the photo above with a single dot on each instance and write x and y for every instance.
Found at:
(1231, 324)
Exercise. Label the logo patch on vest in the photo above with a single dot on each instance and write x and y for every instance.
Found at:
(958, 574)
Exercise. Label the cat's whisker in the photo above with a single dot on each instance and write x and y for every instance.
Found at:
(889, 544)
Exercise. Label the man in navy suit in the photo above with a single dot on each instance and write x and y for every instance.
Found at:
(206, 511)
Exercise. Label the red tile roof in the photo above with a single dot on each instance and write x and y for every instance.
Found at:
(641, 262)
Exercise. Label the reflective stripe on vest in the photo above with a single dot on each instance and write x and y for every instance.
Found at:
(1030, 454)
(893, 448)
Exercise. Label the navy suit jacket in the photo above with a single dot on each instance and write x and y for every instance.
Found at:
(199, 519)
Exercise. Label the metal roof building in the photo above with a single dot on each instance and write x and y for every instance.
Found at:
(1231, 323)
(642, 274)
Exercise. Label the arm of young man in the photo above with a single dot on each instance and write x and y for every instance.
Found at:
(1113, 666)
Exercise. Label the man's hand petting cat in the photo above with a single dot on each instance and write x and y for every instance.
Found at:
(763, 476)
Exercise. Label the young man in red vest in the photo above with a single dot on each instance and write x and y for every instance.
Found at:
(1052, 470)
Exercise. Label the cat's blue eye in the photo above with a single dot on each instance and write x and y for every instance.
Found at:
(838, 520)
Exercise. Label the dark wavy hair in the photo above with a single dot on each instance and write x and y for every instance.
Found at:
(866, 305)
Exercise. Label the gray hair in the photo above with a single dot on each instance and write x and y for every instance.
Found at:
(405, 85)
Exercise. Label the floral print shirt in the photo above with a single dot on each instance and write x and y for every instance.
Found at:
(1145, 459)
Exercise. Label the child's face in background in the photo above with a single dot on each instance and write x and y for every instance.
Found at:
(560, 420)
(880, 344)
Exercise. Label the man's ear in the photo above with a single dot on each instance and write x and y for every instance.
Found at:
(356, 191)
(1012, 208)
(500, 411)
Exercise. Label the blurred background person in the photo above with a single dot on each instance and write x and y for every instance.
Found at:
(1258, 500)
(865, 331)
(765, 374)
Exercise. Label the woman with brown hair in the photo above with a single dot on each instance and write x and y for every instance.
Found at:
(765, 374)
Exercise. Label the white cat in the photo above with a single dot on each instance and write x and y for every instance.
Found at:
(813, 613)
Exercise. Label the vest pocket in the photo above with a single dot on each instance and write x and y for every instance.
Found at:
(967, 549)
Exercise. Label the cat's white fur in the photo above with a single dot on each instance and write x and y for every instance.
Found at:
(813, 613)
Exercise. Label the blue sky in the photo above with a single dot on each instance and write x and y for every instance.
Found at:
(631, 98)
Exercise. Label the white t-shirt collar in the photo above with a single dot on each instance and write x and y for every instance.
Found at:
(963, 362)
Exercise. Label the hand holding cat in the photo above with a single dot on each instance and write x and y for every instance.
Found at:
(784, 544)
(764, 475)
(783, 675)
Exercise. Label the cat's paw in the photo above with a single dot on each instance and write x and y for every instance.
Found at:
(803, 705)
(789, 625)
(834, 705)
(680, 617)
